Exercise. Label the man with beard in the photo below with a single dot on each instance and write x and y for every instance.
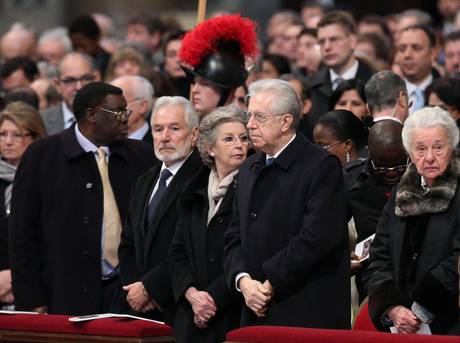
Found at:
(368, 183)
(70, 196)
(153, 210)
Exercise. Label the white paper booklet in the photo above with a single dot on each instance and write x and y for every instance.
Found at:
(16, 312)
(423, 330)
(109, 315)
(362, 248)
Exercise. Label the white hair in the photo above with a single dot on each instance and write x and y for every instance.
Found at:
(58, 33)
(142, 88)
(426, 118)
(192, 118)
(287, 100)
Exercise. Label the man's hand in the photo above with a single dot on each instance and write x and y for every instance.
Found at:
(404, 320)
(203, 305)
(138, 297)
(6, 289)
(256, 295)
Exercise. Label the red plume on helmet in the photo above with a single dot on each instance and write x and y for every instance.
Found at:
(215, 50)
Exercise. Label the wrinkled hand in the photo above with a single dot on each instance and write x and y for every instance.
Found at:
(404, 320)
(203, 306)
(256, 295)
(138, 297)
(199, 323)
(6, 289)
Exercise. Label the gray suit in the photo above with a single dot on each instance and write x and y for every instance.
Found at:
(53, 118)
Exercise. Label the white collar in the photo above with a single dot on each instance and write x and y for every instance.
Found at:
(376, 119)
(422, 85)
(281, 150)
(86, 144)
(68, 116)
(176, 166)
(140, 132)
(350, 73)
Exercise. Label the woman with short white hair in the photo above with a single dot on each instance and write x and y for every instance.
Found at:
(413, 262)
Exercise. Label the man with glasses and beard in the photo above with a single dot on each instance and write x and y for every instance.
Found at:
(70, 196)
(153, 210)
(369, 182)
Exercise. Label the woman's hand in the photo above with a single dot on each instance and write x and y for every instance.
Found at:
(404, 320)
(6, 290)
(203, 305)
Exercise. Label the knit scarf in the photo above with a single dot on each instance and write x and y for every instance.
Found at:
(217, 190)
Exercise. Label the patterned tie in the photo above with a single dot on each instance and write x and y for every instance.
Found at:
(112, 222)
(269, 161)
(337, 82)
(419, 101)
(165, 175)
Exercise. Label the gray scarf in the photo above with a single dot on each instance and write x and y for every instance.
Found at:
(7, 172)
(217, 190)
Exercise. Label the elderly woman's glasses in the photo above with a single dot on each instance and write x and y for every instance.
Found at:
(119, 115)
(14, 136)
(383, 170)
(230, 140)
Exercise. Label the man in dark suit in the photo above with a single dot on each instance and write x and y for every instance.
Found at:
(60, 223)
(287, 247)
(337, 40)
(75, 71)
(153, 211)
(138, 92)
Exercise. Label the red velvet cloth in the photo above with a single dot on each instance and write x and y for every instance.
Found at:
(101, 327)
(363, 321)
(276, 334)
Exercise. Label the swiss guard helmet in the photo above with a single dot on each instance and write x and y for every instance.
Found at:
(216, 50)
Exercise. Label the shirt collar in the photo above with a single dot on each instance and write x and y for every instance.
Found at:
(140, 132)
(176, 166)
(376, 119)
(350, 73)
(281, 150)
(422, 85)
(68, 116)
(86, 144)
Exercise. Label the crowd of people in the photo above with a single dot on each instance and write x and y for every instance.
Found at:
(210, 180)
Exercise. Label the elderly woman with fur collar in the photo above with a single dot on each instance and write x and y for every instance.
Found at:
(413, 264)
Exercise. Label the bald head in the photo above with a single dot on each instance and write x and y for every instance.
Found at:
(385, 142)
(138, 92)
(18, 42)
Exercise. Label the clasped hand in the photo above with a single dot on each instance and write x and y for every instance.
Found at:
(257, 295)
(404, 320)
(138, 298)
(203, 306)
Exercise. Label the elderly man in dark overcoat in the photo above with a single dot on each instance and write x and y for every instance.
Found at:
(287, 248)
(59, 219)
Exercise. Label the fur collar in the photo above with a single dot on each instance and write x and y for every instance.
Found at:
(412, 200)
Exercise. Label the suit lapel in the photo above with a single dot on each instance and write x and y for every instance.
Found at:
(244, 195)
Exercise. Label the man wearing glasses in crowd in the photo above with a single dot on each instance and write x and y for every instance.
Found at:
(75, 71)
(66, 211)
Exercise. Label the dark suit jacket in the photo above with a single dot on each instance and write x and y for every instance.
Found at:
(142, 251)
(53, 119)
(56, 220)
(195, 259)
(321, 90)
(289, 227)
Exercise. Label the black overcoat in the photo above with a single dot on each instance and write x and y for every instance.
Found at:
(289, 227)
(196, 260)
(56, 220)
(143, 251)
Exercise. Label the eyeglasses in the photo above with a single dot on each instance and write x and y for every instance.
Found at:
(230, 140)
(260, 117)
(15, 136)
(330, 145)
(119, 115)
(72, 81)
(383, 170)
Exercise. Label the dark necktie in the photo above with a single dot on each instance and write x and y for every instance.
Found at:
(165, 174)
(269, 161)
